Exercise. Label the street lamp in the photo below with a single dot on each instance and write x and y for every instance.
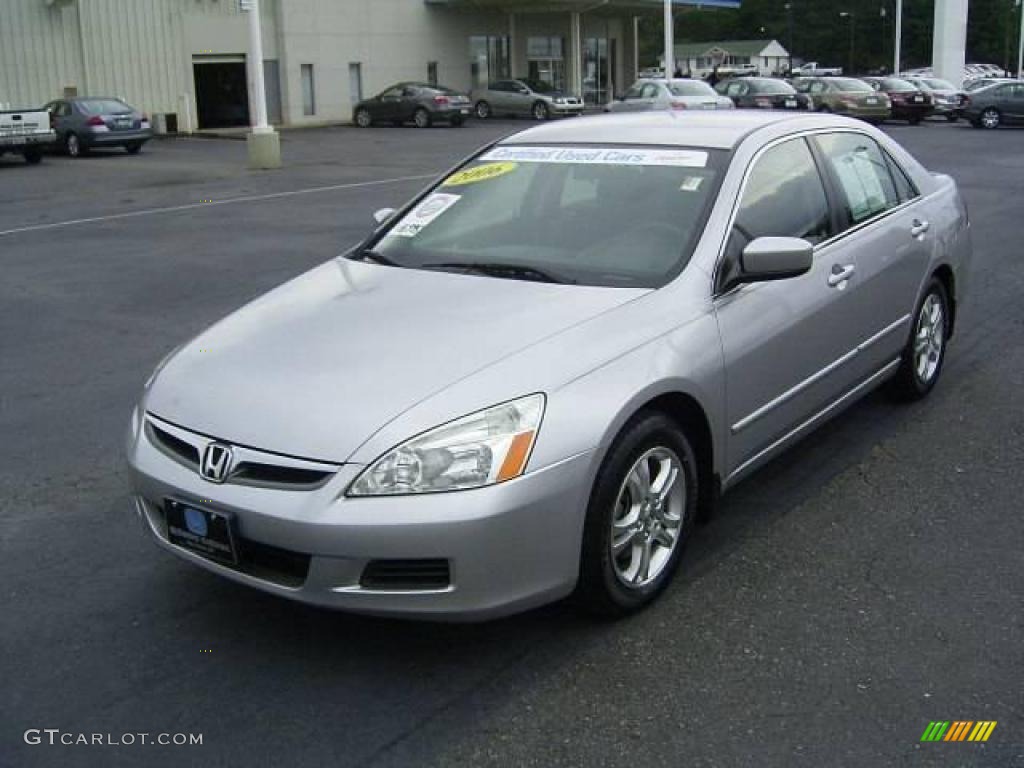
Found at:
(852, 16)
(899, 39)
(789, 21)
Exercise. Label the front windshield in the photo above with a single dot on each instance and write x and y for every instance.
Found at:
(608, 216)
(849, 85)
(690, 88)
(896, 85)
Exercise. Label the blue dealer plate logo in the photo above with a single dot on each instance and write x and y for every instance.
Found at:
(195, 521)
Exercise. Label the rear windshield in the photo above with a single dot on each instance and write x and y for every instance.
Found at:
(939, 85)
(849, 85)
(103, 106)
(690, 88)
(898, 85)
(607, 216)
(769, 87)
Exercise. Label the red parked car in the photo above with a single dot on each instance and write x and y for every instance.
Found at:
(909, 102)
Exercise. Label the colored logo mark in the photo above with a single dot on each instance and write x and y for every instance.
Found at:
(958, 730)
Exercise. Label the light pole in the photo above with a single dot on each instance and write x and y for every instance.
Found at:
(789, 22)
(899, 39)
(263, 143)
(670, 64)
(852, 16)
(1020, 43)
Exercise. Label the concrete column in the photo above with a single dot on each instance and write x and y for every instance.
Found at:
(670, 53)
(950, 40)
(576, 53)
(511, 46)
(263, 142)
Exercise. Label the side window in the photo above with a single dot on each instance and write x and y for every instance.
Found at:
(392, 93)
(904, 186)
(818, 87)
(633, 93)
(734, 89)
(784, 197)
(863, 174)
(650, 91)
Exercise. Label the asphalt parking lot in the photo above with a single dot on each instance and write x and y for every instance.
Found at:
(868, 582)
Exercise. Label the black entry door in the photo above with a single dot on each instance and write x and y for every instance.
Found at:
(222, 95)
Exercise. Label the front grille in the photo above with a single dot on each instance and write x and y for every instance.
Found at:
(406, 575)
(253, 473)
(175, 447)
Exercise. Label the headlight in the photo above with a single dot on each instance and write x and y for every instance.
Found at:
(484, 448)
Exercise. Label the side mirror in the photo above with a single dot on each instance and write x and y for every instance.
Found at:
(775, 258)
(383, 215)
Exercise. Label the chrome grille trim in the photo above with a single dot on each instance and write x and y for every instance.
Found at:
(281, 472)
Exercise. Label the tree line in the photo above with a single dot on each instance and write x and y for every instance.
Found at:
(815, 30)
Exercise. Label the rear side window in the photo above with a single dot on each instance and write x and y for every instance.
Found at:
(904, 186)
(862, 171)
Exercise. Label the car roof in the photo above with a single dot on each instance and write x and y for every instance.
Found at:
(723, 129)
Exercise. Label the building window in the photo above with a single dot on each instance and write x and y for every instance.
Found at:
(308, 91)
(432, 72)
(488, 59)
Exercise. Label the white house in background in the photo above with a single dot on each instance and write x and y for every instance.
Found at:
(767, 56)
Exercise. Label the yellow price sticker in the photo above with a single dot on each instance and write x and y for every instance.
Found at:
(480, 173)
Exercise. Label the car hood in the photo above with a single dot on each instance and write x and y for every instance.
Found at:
(315, 367)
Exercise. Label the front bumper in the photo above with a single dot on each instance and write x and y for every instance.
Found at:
(566, 109)
(509, 547)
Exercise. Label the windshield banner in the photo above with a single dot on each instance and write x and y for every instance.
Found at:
(678, 158)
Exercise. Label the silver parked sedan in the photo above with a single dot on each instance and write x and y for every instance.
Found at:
(532, 98)
(647, 95)
(533, 378)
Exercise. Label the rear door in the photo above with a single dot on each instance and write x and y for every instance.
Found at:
(886, 230)
(786, 343)
(1015, 103)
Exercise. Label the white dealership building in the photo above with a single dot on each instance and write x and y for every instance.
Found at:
(184, 61)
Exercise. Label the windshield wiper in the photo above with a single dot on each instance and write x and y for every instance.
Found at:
(377, 257)
(500, 269)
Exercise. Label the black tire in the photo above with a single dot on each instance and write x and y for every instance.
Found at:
(421, 118)
(482, 109)
(33, 156)
(74, 147)
(540, 111)
(915, 120)
(911, 382)
(951, 118)
(134, 148)
(362, 118)
(601, 588)
(456, 121)
(990, 118)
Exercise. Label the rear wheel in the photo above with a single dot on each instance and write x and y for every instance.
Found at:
(421, 118)
(33, 156)
(925, 352)
(916, 120)
(991, 118)
(73, 146)
(134, 148)
(952, 118)
(640, 515)
(456, 121)
(540, 111)
(483, 109)
(363, 118)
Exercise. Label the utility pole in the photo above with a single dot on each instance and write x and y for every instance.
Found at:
(264, 144)
(852, 16)
(789, 21)
(670, 63)
(899, 38)
(1020, 43)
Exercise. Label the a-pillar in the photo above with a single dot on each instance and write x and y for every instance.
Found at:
(949, 42)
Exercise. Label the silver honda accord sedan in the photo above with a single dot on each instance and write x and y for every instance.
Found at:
(535, 377)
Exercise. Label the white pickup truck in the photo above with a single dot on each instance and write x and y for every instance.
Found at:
(27, 132)
(812, 69)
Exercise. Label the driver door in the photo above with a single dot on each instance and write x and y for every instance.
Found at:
(786, 343)
(389, 104)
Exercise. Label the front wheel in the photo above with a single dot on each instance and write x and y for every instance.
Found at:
(483, 110)
(421, 118)
(640, 516)
(73, 146)
(951, 118)
(134, 148)
(33, 156)
(540, 111)
(925, 351)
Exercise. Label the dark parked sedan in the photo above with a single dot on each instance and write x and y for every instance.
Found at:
(763, 93)
(418, 103)
(909, 102)
(947, 99)
(998, 104)
(85, 123)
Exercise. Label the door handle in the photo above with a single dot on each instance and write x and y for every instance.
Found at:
(919, 228)
(840, 274)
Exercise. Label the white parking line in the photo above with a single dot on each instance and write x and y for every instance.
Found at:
(208, 204)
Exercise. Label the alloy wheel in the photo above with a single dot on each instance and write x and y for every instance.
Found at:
(929, 338)
(483, 110)
(648, 517)
(421, 118)
(990, 118)
(363, 118)
(73, 145)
